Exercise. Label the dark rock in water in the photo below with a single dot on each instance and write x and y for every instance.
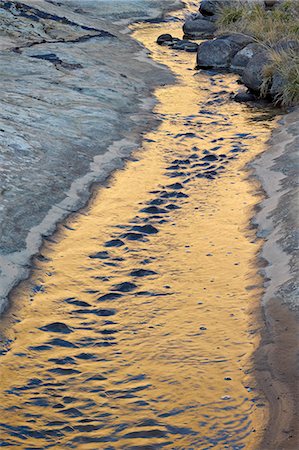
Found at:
(78, 303)
(176, 174)
(64, 371)
(110, 296)
(213, 173)
(199, 28)
(146, 229)
(57, 327)
(164, 38)
(62, 343)
(252, 75)
(104, 312)
(171, 206)
(72, 412)
(244, 96)
(154, 210)
(191, 48)
(63, 361)
(242, 57)
(219, 52)
(86, 356)
(175, 186)
(114, 243)
(40, 348)
(100, 255)
(186, 45)
(133, 236)
(97, 378)
(181, 161)
(157, 201)
(142, 273)
(209, 158)
(125, 287)
(175, 194)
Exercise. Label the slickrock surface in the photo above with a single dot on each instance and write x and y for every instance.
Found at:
(72, 105)
(277, 357)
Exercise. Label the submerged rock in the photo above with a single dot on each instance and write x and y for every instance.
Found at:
(57, 327)
(186, 45)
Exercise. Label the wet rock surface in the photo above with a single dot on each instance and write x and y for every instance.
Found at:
(60, 81)
(64, 101)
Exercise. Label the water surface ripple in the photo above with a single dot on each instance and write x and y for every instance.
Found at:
(137, 326)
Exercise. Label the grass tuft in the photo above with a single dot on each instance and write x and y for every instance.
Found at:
(269, 28)
(284, 64)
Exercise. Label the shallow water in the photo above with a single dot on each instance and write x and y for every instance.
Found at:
(138, 325)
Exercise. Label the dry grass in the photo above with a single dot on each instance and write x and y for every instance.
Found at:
(269, 28)
(285, 64)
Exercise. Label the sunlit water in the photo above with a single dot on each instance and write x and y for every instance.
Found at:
(137, 327)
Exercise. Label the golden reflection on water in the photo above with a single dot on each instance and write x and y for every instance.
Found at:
(166, 362)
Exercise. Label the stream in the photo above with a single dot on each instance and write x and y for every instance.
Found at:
(138, 325)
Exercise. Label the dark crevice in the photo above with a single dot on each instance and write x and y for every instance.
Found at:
(84, 38)
(20, 9)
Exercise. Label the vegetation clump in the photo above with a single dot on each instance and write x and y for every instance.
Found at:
(278, 31)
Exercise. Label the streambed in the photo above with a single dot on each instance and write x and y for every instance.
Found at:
(138, 325)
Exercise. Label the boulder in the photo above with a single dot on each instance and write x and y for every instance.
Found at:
(219, 52)
(164, 38)
(238, 39)
(277, 85)
(186, 45)
(244, 96)
(200, 16)
(199, 28)
(252, 75)
(191, 47)
(241, 59)
(209, 7)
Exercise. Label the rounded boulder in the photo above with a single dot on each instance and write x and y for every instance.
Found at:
(199, 28)
(164, 38)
